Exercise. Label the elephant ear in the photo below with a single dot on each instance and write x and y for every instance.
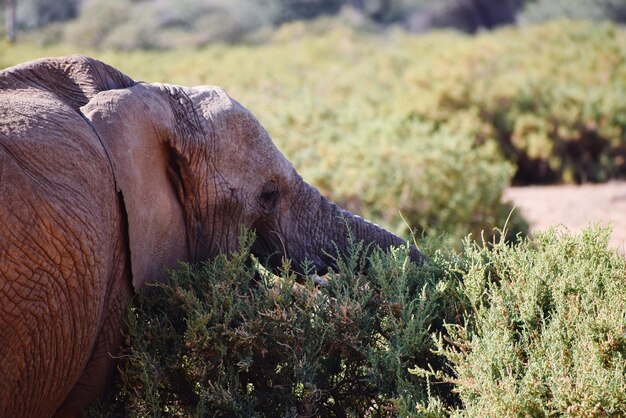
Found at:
(136, 126)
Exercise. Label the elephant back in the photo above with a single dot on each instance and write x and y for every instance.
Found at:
(73, 79)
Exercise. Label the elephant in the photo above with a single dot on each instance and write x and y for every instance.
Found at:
(107, 182)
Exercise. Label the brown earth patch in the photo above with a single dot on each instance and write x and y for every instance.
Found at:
(575, 207)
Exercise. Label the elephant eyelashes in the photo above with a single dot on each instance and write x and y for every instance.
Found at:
(269, 196)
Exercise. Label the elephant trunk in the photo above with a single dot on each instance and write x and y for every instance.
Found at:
(326, 231)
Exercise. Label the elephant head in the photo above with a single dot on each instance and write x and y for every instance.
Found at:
(194, 165)
(103, 178)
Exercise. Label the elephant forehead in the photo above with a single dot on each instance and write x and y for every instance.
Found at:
(244, 147)
(226, 117)
(243, 141)
(256, 160)
(213, 103)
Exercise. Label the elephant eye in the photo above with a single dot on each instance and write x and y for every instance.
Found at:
(269, 196)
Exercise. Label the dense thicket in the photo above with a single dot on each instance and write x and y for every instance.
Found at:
(544, 333)
(215, 341)
(531, 329)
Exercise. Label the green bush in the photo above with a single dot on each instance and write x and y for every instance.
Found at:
(550, 96)
(219, 341)
(545, 329)
(536, 328)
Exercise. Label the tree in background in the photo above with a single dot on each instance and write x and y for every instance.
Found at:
(543, 10)
(33, 14)
(465, 15)
(38, 13)
(305, 9)
(9, 15)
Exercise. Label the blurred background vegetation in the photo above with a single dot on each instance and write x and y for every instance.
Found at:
(158, 24)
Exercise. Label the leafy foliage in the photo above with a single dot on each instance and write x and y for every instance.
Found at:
(535, 328)
(218, 341)
(545, 329)
(550, 97)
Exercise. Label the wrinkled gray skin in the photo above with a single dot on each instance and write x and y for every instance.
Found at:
(105, 181)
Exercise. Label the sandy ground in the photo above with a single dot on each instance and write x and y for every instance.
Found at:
(575, 207)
